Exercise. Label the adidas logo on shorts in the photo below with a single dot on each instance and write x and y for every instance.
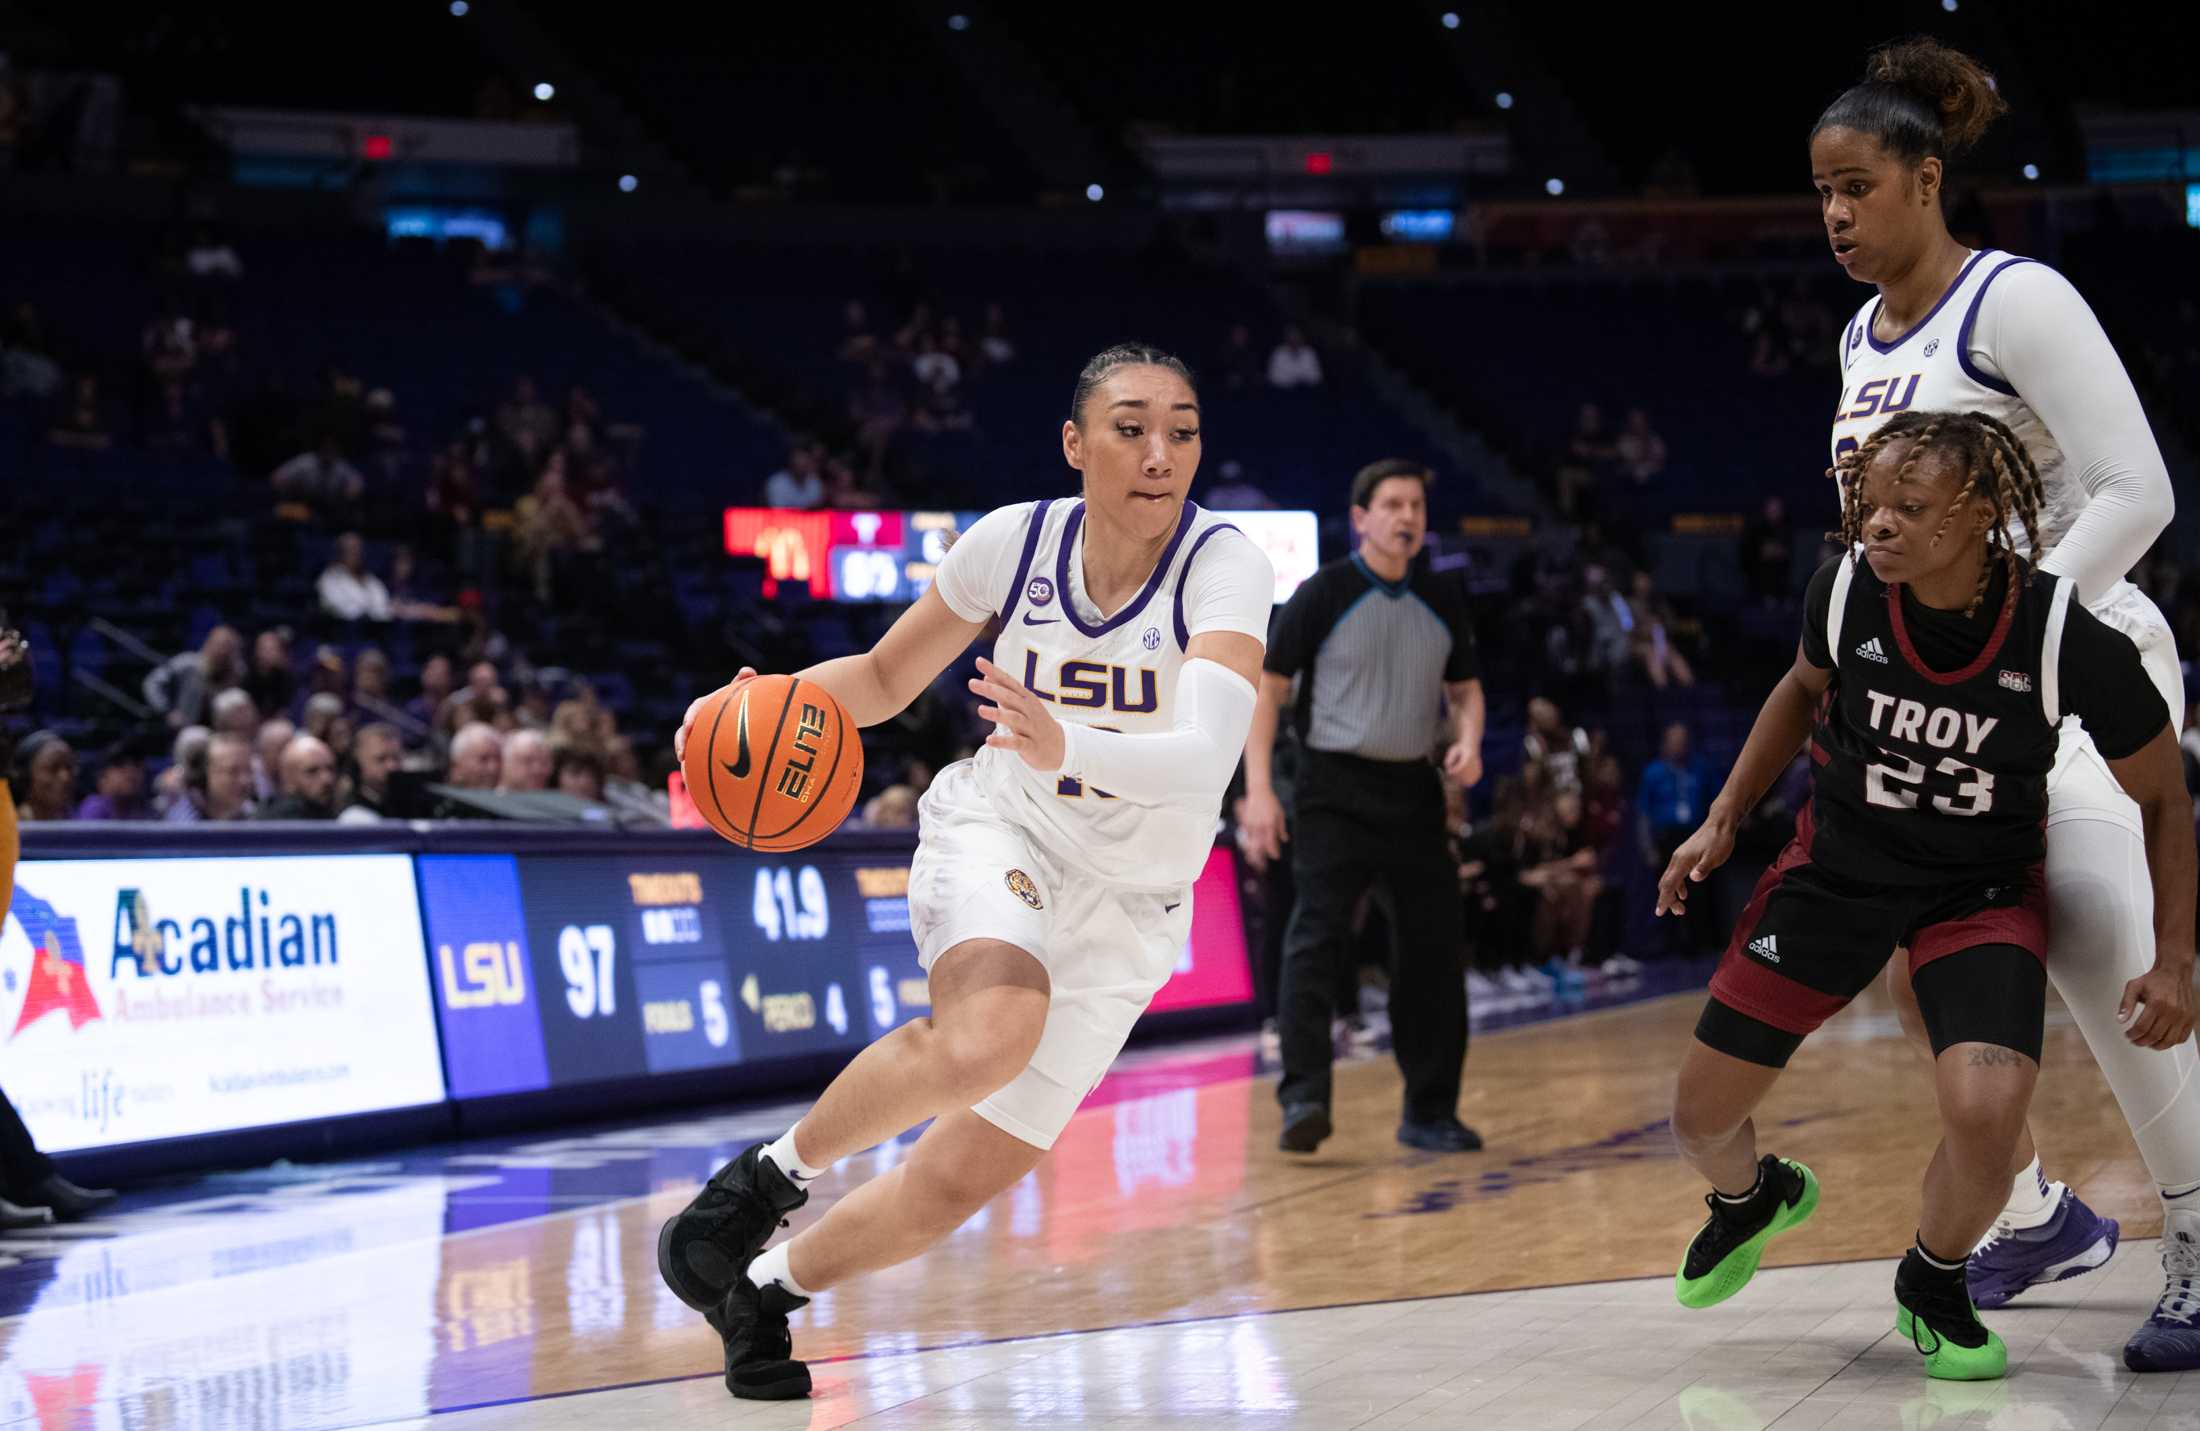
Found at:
(1872, 651)
(1768, 948)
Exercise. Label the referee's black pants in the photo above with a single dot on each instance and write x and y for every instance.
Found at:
(1380, 824)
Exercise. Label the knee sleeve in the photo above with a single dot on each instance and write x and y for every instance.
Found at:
(1737, 1035)
(1992, 993)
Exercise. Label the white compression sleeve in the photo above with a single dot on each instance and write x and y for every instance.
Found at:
(2049, 346)
(1214, 710)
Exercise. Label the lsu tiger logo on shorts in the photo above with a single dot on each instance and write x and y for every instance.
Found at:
(1021, 885)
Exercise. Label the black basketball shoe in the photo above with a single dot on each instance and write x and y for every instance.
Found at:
(760, 1364)
(706, 1246)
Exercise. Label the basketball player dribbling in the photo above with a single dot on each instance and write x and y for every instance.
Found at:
(1951, 328)
(1935, 669)
(1051, 890)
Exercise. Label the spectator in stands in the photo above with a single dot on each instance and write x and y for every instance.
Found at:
(1676, 789)
(858, 343)
(188, 753)
(894, 808)
(217, 785)
(1611, 624)
(878, 412)
(931, 367)
(1661, 661)
(234, 714)
(275, 736)
(477, 757)
(1640, 451)
(1235, 492)
(1560, 865)
(321, 479)
(179, 420)
(995, 343)
(167, 345)
(1294, 363)
(82, 422)
(1767, 554)
(550, 525)
(183, 689)
(940, 409)
(527, 762)
(799, 484)
(435, 689)
(349, 592)
(377, 751)
(212, 257)
(370, 686)
(483, 691)
(44, 777)
(272, 684)
(322, 711)
(1555, 748)
(578, 771)
(847, 491)
(526, 420)
(118, 791)
(308, 783)
(27, 364)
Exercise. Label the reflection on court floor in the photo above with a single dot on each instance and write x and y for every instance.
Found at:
(1165, 1266)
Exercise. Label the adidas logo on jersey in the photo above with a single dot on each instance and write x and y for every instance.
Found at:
(1767, 948)
(2016, 681)
(1872, 651)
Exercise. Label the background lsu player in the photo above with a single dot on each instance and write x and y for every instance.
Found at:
(1051, 890)
(1954, 329)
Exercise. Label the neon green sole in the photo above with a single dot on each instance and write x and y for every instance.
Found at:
(1736, 1268)
(1945, 1361)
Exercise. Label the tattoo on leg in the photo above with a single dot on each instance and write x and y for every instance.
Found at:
(1995, 1056)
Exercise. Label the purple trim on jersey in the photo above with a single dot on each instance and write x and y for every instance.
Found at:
(1135, 605)
(1871, 320)
(1183, 636)
(1023, 563)
(1970, 321)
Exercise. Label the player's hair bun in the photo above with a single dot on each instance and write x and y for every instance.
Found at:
(1954, 86)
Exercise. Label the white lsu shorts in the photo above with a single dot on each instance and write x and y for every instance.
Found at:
(1107, 950)
(2080, 786)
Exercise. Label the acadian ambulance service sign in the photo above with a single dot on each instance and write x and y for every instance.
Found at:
(144, 999)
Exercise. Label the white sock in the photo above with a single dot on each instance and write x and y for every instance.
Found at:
(788, 1161)
(2180, 1198)
(771, 1265)
(2032, 1198)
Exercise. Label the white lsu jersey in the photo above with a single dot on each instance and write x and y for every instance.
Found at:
(1025, 565)
(1945, 364)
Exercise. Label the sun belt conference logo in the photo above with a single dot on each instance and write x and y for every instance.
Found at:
(57, 979)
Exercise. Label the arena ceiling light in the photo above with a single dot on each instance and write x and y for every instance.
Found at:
(546, 91)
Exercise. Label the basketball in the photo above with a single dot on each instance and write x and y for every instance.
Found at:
(775, 764)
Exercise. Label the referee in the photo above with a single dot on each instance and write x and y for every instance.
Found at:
(1380, 647)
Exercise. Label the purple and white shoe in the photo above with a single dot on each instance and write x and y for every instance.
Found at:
(2075, 1241)
(2170, 1339)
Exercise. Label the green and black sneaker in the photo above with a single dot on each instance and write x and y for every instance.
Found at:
(1933, 1309)
(1723, 1255)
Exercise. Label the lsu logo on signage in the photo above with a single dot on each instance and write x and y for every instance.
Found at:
(484, 975)
(57, 979)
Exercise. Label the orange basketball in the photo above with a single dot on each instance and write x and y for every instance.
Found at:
(775, 765)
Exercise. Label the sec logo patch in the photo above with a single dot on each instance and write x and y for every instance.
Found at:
(1020, 885)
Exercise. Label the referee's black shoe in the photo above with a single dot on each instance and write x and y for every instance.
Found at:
(1440, 1135)
(706, 1246)
(760, 1364)
(1305, 1126)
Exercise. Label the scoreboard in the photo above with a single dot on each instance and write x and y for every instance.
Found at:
(555, 969)
(890, 556)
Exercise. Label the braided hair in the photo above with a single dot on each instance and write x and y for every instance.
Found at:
(1993, 462)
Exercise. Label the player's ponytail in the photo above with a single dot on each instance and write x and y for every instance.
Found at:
(1918, 98)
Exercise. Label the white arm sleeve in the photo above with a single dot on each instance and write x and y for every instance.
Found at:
(1214, 711)
(973, 577)
(2038, 335)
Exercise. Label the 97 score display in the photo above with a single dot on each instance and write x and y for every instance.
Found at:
(638, 969)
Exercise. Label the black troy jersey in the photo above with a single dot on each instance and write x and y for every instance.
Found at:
(1934, 742)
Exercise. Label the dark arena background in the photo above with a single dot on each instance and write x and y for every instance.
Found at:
(407, 410)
